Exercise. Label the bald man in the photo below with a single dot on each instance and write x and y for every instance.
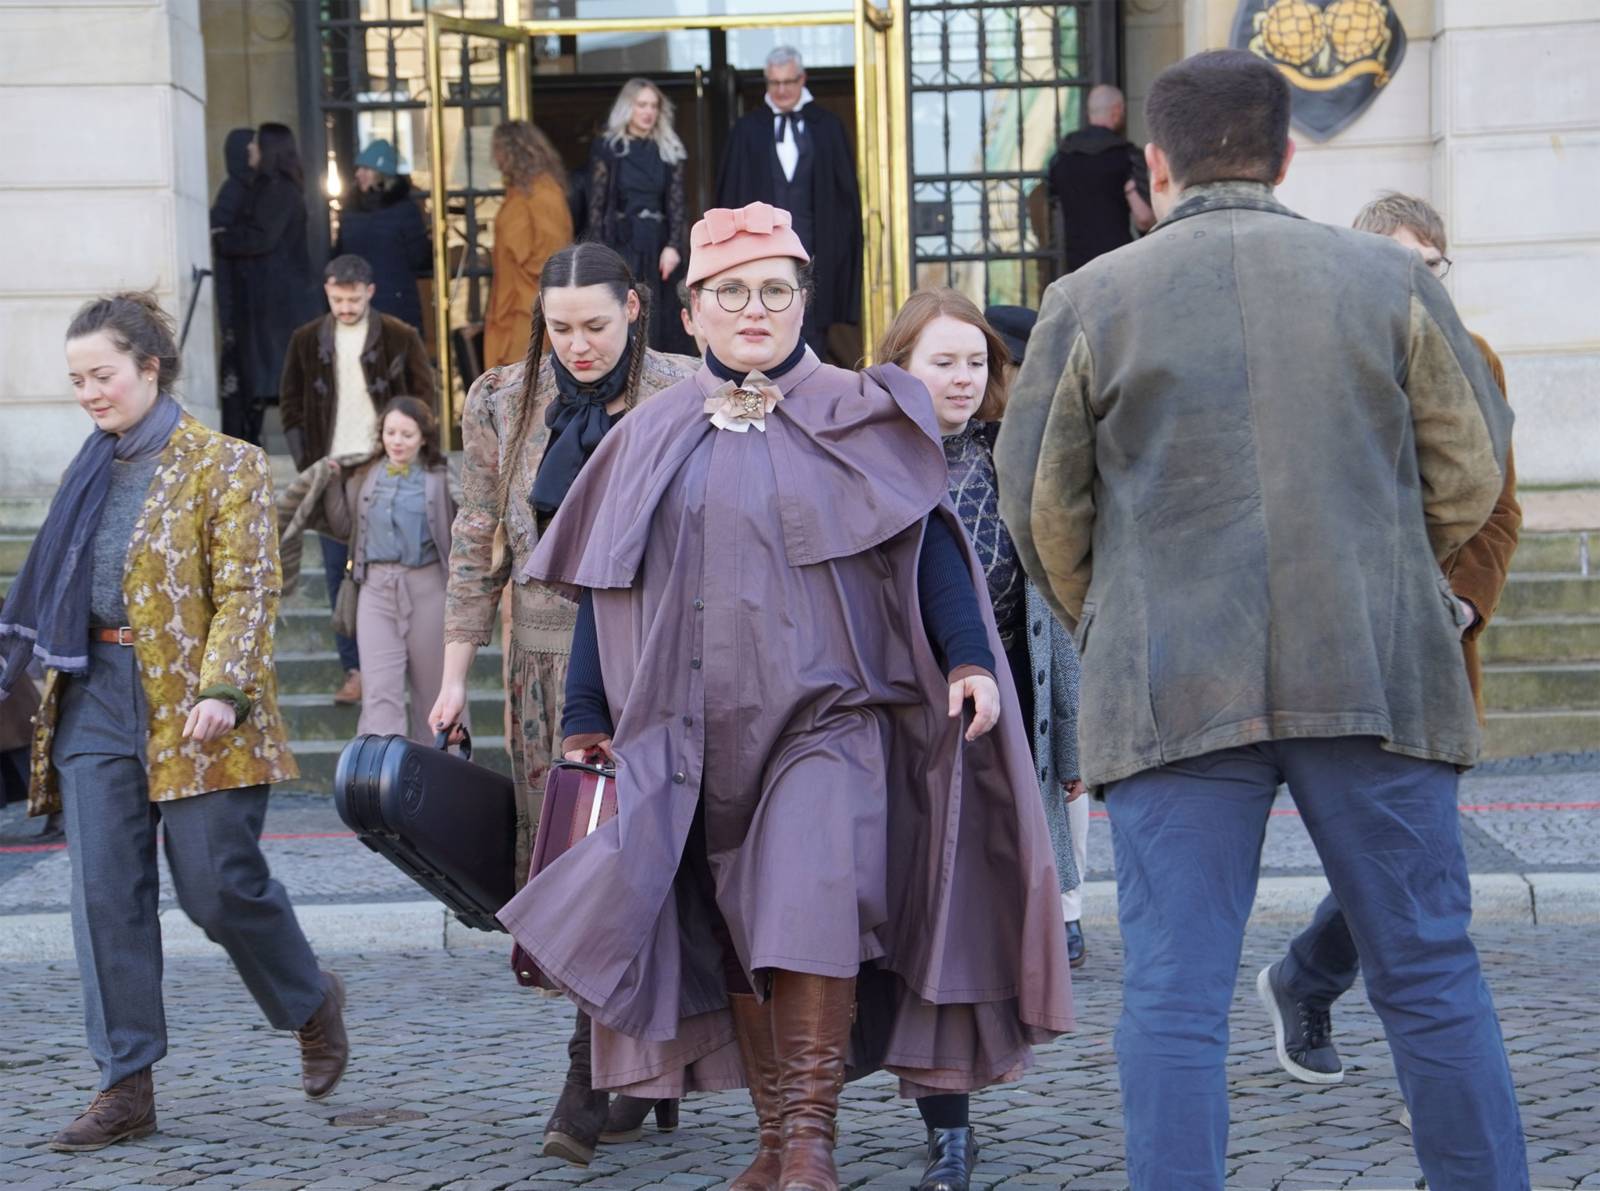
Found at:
(1099, 182)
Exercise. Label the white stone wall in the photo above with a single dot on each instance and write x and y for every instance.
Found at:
(1494, 117)
(1516, 169)
(102, 187)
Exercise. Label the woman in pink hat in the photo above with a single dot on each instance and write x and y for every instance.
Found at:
(785, 644)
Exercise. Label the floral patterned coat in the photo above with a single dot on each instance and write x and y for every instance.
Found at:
(201, 583)
(479, 564)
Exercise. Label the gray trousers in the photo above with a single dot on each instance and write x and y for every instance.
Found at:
(218, 872)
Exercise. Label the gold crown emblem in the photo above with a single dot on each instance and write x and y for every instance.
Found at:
(1321, 48)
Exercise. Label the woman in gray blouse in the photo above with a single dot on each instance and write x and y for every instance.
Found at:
(396, 511)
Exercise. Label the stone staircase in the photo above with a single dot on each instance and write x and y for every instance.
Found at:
(309, 673)
(1541, 655)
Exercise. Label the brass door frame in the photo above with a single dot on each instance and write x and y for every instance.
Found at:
(882, 128)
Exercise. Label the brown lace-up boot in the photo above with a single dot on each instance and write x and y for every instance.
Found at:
(125, 1110)
(752, 1026)
(580, 1112)
(811, 1031)
(324, 1046)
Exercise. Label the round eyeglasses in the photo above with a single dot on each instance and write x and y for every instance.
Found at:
(1440, 266)
(734, 296)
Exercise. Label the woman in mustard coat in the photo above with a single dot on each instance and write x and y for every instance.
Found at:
(534, 222)
(149, 596)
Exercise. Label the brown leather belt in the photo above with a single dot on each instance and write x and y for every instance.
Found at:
(122, 636)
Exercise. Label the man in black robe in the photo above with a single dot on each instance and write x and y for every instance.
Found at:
(794, 154)
(1099, 182)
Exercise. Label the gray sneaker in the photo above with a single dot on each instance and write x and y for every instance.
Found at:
(1302, 1032)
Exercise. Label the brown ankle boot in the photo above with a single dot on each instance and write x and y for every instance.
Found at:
(580, 1112)
(125, 1110)
(811, 1032)
(752, 1025)
(324, 1045)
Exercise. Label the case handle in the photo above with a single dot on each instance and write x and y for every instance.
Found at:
(441, 740)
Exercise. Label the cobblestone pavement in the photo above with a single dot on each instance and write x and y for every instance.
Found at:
(1516, 823)
(450, 1037)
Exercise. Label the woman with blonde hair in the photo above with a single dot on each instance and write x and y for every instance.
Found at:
(636, 198)
(942, 338)
(534, 222)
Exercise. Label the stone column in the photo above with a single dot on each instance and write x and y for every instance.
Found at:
(102, 188)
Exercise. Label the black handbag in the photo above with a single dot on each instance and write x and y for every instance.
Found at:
(446, 823)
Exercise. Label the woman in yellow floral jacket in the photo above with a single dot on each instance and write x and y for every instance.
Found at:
(149, 597)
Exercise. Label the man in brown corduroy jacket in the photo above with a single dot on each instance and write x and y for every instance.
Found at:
(1322, 961)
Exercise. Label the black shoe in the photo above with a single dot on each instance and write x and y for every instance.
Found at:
(952, 1154)
(1302, 1031)
(1077, 950)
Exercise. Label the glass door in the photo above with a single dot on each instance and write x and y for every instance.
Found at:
(477, 77)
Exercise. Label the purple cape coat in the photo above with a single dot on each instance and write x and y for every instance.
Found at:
(762, 647)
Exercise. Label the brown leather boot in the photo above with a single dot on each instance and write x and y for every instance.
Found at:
(349, 693)
(752, 1026)
(324, 1045)
(580, 1113)
(625, 1120)
(811, 1032)
(125, 1110)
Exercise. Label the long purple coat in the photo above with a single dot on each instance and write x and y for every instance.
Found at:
(762, 645)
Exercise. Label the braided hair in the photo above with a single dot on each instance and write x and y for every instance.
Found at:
(584, 264)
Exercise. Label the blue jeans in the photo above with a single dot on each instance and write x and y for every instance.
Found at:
(1187, 839)
(1323, 961)
(334, 555)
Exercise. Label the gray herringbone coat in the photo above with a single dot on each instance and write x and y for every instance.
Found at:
(1055, 675)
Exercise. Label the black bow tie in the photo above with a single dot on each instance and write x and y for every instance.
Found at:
(788, 125)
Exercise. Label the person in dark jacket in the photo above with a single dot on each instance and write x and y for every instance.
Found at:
(229, 208)
(1234, 460)
(636, 199)
(338, 374)
(382, 224)
(1099, 183)
(276, 290)
(794, 153)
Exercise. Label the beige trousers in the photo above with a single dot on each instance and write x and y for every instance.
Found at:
(400, 632)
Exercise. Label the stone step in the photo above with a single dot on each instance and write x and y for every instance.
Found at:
(1524, 733)
(309, 629)
(1558, 639)
(319, 672)
(1535, 686)
(316, 717)
(1550, 595)
(318, 758)
(1575, 553)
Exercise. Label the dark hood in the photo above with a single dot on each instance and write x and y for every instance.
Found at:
(1094, 139)
(236, 153)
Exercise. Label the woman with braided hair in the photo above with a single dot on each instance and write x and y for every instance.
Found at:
(527, 430)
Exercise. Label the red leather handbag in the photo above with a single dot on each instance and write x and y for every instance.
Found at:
(577, 798)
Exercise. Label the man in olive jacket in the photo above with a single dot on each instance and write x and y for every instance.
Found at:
(1232, 459)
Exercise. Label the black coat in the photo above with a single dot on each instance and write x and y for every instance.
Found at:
(386, 229)
(276, 290)
(1087, 176)
(231, 207)
(746, 177)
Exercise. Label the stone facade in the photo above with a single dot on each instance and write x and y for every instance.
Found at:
(113, 151)
(103, 187)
